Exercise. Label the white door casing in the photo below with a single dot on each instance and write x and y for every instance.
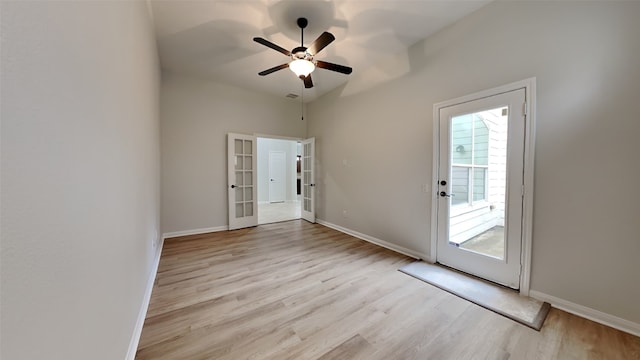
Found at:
(242, 180)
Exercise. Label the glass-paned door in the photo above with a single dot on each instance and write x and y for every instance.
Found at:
(480, 171)
(242, 180)
(308, 180)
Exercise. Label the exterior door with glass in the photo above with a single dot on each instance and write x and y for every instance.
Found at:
(242, 177)
(480, 186)
(308, 180)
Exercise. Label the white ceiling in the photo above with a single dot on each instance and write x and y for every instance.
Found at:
(213, 39)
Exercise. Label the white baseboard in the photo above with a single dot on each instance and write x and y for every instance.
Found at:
(194, 232)
(137, 332)
(588, 313)
(373, 240)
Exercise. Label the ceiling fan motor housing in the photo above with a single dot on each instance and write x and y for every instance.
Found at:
(301, 53)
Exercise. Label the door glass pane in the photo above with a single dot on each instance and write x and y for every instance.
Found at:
(248, 194)
(238, 146)
(480, 141)
(461, 139)
(239, 178)
(239, 210)
(459, 185)
(478, 182)
(239, 192)
(248, 162)
(248, 146)
(238, 162)
(248, 209)
(248, 177)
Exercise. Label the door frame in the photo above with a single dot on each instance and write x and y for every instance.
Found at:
(529, 85)
(275, 137)
(304, 216)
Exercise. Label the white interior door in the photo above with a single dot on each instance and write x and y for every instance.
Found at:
(480, 186)
(242, 181)
(277, 177)
(308, 211)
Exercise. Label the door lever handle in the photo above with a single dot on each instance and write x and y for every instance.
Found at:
(444, 194)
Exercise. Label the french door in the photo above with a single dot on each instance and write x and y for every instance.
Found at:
(480, 186)
(308, 211)
(242, 180)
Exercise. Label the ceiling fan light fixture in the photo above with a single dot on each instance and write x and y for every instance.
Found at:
(301, 67)
(302, 58)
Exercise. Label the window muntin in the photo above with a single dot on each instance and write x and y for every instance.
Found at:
(469, 159)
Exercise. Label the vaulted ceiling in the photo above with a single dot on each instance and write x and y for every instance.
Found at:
(213, 39)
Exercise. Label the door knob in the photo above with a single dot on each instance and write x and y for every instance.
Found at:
(233, 186)
(444, 194)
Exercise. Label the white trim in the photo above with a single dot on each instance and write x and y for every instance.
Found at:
(142, 314)
(529, 151)
(589, 313)
(435, 186)
(373, 240)
(527, 199)
(523, 84)
(194, 232)
(276, 137)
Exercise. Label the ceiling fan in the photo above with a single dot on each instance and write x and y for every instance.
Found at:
(302, 62)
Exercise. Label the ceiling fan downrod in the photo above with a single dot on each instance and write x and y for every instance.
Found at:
(302, 23)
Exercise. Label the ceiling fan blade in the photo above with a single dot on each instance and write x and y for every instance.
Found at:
(334, 67)
(269, 44)
(273, 69)
(321, 42)
(308, 83)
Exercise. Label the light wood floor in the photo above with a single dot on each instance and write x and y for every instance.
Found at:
(296, 290)
(276, 212)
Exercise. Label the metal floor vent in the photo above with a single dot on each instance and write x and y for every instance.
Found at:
(291, 96)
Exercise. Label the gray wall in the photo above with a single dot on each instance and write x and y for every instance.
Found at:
(80, 176)
(374, 145)
(196, 116)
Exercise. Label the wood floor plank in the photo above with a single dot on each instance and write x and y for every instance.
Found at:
(296, 290)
